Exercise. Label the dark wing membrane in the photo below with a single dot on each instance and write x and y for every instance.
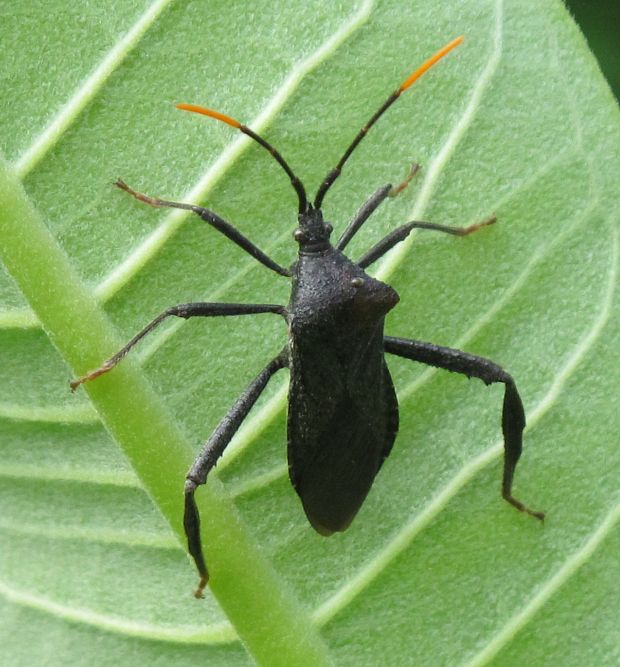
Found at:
(343, 418)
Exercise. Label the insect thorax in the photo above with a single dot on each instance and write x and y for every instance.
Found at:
(330, 292)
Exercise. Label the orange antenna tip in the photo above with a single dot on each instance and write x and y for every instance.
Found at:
(210, 112)
(414, 76)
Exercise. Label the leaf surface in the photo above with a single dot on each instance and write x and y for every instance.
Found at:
(436, 569)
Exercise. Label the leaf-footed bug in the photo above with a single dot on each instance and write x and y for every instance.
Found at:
(342, 407)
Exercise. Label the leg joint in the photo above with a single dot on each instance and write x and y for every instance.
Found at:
(505, 377)
(191, 485)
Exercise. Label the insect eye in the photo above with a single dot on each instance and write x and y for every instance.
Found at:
(299, 236)
(329, 227)
(357, 282)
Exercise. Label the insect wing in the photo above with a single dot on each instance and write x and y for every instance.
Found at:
(342, 421)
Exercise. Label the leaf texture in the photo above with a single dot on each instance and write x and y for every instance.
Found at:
(436, 569)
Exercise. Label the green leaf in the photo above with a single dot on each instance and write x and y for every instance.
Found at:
(435, 569)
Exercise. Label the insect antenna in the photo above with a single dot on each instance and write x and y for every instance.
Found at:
(335, 172)
(297, 184)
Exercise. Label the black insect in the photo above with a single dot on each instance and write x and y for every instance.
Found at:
(342, 408)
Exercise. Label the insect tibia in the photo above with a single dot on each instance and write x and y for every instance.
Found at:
(191, 523)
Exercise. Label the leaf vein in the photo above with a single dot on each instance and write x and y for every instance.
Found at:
(569, 569)
(116, 478)
(160, 541)
(87, 91)
(216, 633)
(55, 414)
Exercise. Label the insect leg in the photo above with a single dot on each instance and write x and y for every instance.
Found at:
(212, 219)
(513, 415)
(401, 233)
(211, 452)
(185, 310)
(370, 206)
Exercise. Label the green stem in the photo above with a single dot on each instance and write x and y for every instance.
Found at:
(272, 624)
